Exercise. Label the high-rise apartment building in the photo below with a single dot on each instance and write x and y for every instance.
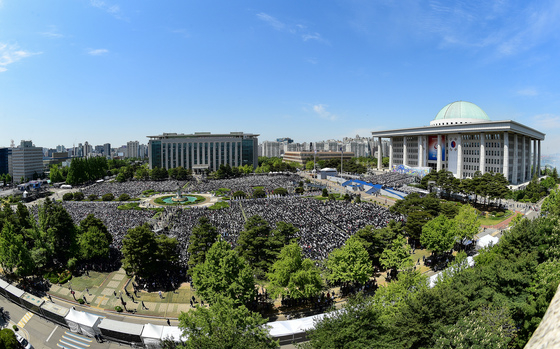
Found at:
(133, 149)
(107, 150)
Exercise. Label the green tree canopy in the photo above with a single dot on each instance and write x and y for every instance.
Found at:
(255, 244)
(203, 236)
(438, 235)
(397, 256)
(350, 262)
(293, 275)
(93, 244)
(224, 273)
(225, 325)
(139, 251)
(466, 223)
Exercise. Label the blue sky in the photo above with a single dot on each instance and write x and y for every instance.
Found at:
(113, 71)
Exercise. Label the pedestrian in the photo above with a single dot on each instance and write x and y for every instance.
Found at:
(115, 293)
(87, 290)
(50, 298)
(191, 303)
(168, 322)
(160, 296)
(143, 306)
(132, 297)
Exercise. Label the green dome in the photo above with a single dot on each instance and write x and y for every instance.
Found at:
(462, 110)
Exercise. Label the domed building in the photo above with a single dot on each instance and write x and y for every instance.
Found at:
(463, 140)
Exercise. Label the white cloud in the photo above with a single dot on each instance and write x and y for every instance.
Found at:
(295, 29)
(97, 52)
(528, 92)
(12, 53)
(52, 33)
(114, 10)
(320, 109)
(547, 121)
(273, 22)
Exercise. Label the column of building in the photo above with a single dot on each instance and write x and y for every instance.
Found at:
(460, 157)
(391, 154)
(539, 158)
(404, 152)
(523, 160)
(505, 157)
(439, 160)
(482, 148)
(379, 154)
(420, 151)
(534, 154)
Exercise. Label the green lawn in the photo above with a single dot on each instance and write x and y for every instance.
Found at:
(494, 220)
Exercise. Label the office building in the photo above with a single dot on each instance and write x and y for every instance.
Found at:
(203, 151)
(27, 161)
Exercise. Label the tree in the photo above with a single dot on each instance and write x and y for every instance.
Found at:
(397, 257)
(284, 234)
(349, 263)
(203, 236)
(324, 193)
(239, 194)
(93, 244)
(223, 325)
(124, 197)
(224, 274)
(56, 174)
(487, 328)
(91, 221)
(254, 244)
(158, 174)
(466, 223)
(108, 197)
(67, 196)
(438, 235)
(14, 255)
(293, 275)
(309, 165)
(259, 193)
(139, 249)
(280, 191)
(357, 325)
(78, 196)
(377, 240)
(143, 173)
(8, 339)
(60, 230)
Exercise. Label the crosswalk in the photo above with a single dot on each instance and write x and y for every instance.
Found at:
(73, 341)
(25, 319)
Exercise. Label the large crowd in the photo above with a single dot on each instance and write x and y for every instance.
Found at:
(390, 179)
(132, 188)
(322, 225)
(247, 184)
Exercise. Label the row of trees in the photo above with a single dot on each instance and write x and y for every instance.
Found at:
(353, 165)
(28, 247)
(498, 303)
(489, 185)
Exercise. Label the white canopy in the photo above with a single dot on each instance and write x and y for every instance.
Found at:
(280, 328)
(173, 332)
(152, 331)
(487, 240)
(82, 322)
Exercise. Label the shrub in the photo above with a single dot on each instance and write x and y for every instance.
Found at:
(239, 194)
(325, 193)
(108, 197)
(124, 197)
(64, 277)
(119, 309)
(67, 197)
(15, 328)
(78, 196)
(92, 197)
(81, 301)
(500, 214)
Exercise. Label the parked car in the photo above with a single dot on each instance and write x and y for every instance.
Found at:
(24, 343)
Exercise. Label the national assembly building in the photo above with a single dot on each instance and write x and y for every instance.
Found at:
(203, 151)
(463, 140)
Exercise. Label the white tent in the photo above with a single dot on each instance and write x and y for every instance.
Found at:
(151, 335)
(280, 328)
(173, 333)
(487, 240)
(82, 322)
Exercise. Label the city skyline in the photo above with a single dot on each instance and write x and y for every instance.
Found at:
(114, 72)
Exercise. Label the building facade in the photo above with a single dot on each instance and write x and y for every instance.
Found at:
(133, 149)
(203, 151)
(301, 157)
(5, 160)
(27, 160)
(463, 140)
